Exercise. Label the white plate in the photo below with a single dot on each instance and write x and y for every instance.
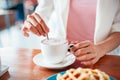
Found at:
(38, 60)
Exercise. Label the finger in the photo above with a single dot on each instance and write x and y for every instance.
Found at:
(32, 20)
(75, 47)
(79, 52)
(82, 44)
(85, 43)
(25, 32)
(39, 26)
(40, 20)
(90, 62)
(25, 29)
(32, 28)
(74, 42)
(86, 50)
(86, 57)
(35, 24)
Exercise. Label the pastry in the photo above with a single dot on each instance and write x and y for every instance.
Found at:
(83, 74)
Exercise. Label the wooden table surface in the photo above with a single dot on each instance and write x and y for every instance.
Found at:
(21, 66)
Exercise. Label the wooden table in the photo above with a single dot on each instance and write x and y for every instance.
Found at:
(21, 66)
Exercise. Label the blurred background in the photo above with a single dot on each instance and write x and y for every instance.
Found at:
(12, 16)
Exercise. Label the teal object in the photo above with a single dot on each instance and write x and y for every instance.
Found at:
(53, 77)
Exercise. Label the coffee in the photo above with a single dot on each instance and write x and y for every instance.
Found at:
(53, 41)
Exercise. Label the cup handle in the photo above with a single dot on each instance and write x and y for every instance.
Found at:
(69, 52)
(70, 46)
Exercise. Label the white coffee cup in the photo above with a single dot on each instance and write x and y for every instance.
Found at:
(54, 50)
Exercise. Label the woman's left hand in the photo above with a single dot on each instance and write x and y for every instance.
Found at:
(86, 52)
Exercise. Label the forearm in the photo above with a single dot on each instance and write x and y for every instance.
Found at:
(110, 43)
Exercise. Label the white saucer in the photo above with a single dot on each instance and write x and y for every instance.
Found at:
(38, 60)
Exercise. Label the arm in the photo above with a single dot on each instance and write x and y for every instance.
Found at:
(88, 53)
(110, 43)
(113, 40)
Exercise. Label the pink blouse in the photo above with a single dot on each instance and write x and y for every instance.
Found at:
(81, 20)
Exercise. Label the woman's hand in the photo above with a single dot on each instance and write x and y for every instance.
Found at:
(35, 24)
(86, 52)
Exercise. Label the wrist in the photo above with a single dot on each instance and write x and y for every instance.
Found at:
(101, 50)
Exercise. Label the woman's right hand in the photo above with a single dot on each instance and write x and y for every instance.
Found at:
(35, 24)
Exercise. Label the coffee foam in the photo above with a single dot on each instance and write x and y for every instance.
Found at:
(53, 41)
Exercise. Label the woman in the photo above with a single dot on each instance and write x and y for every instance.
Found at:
(54, 18)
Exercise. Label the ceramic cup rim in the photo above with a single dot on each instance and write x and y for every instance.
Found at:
(64, 41)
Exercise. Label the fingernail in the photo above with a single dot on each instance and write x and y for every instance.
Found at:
(38, 34)
(71, 45)
(82, 63)
(43, 34)
(69, 50)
